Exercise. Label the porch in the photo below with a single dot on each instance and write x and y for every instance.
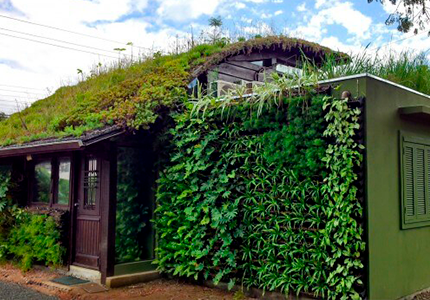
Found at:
(101, 187)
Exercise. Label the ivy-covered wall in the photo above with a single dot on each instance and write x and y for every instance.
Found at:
(265, 198)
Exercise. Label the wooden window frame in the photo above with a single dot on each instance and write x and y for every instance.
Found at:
(53, 197)
(416, 142)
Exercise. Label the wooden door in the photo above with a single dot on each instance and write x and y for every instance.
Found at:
(87, 208)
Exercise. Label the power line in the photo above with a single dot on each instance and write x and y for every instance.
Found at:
(13, 101)
(21, 92)
(9, 105)
(59, 46)
(60, 41)
(19, 97)
(69, 31)
(22, 87)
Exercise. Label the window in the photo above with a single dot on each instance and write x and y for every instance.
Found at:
(51, 181)
(42, 182)
(63, 181)
(415, 181)
(90, 183)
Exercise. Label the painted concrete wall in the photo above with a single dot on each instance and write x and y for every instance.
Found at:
(399, 260)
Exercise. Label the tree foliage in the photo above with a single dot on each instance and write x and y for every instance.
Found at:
(409, 15)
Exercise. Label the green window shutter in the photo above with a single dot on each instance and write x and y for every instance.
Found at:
(408, 173)
(420, 184)
(408, 182)
(416, 184)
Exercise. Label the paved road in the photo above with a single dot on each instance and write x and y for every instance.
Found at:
(12, 291)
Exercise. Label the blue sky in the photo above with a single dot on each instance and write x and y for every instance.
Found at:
(346, 25)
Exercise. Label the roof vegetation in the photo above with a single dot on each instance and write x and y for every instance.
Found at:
(132, 95)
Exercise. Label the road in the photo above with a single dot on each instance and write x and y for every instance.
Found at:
(12, 291)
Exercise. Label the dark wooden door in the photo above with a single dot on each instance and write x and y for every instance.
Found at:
(87, 207)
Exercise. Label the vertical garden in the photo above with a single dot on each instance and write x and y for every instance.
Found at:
(264, 194)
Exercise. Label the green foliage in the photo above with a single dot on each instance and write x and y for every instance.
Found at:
(132, 212)
(6, 217)
(343, 234)
(35, 238)
(132, 95)
(264, 195)
(406, 68)
(25, 238)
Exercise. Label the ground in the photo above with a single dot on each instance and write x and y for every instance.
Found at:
(14, 291)
(27, 285)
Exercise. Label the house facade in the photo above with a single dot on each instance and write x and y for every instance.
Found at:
(107, 224)
(102, 182)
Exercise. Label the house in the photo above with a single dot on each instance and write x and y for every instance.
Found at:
(109, 233)
(81, 176)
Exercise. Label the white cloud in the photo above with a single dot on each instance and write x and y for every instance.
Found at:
(278, 12)
(302, 7)
(40, 66)
(183, 10)
(320, 3)
(343, 14)
(239, 5)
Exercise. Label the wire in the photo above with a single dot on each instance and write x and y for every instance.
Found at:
(21, 92)
(59, 46)
(22, 87)
(60, 41)
(69, 31)
(20, 97)
(13, 101)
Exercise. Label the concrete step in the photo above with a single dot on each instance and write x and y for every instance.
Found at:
(129, 279)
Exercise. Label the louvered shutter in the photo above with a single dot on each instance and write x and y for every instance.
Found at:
(416, 182)
(408, 182)
(420, 185)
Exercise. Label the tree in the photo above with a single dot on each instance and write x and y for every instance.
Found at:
(3, 116)
(409, 15)
(216, 24)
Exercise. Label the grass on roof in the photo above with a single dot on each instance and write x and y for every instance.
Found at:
(128, 96)
(132, 96)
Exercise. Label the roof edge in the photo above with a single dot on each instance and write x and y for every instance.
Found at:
(362, 75)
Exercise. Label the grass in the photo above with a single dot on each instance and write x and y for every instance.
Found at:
(406, 68)
(132, 94)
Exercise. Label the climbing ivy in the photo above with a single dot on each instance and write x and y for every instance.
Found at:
(343, 234)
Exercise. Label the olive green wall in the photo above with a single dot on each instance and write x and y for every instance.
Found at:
(399, 260)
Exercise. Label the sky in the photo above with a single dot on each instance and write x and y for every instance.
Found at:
(79, 34)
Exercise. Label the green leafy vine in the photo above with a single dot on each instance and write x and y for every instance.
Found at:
(264, 197)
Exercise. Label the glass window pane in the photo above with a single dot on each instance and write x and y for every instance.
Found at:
(63, 181)
(42, 182)
(90, 183)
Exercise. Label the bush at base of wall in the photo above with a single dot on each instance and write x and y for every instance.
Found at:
(35, 239)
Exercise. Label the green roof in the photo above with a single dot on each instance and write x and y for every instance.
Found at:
(133, 96)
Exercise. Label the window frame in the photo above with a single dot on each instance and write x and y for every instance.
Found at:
(53, 196)
(418, 141)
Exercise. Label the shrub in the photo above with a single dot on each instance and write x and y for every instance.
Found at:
(35, 239)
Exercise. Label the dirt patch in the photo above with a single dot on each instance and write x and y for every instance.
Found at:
(161, 289)
(33, 279)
